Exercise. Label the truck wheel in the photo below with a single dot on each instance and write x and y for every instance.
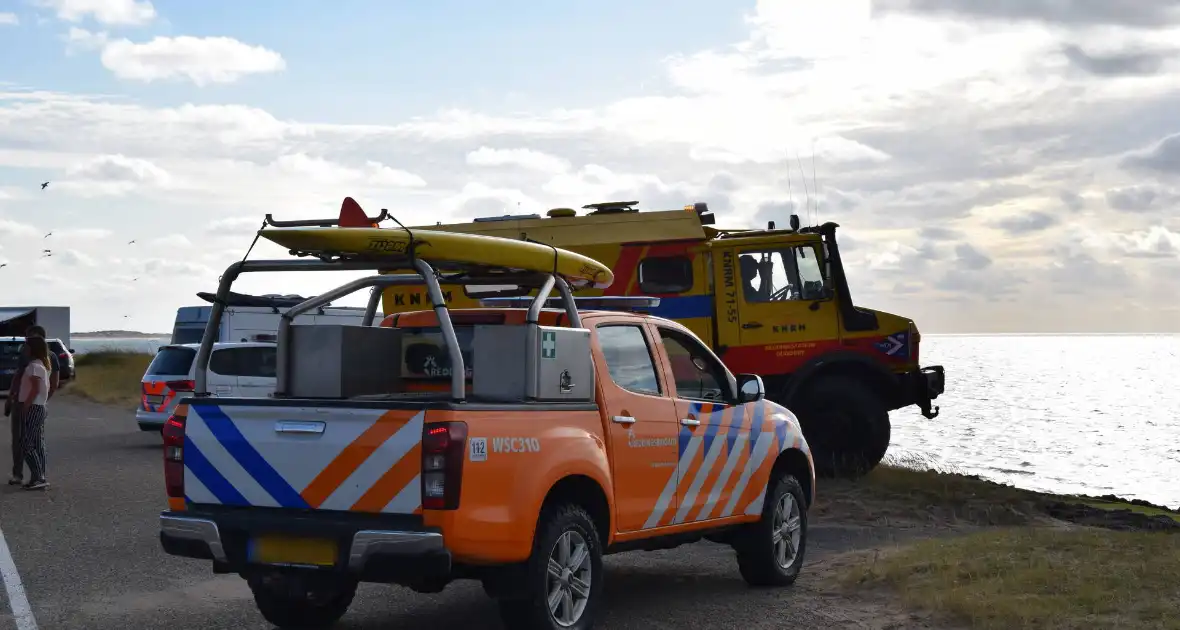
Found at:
(293, 601)
(770, 552)
(563, 576)
(846, 426)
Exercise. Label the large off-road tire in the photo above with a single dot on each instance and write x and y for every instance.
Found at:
(846, 425)
(291, 600)
(565, 568)
(770, 551)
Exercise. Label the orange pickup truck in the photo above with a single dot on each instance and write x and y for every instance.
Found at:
(572, 433)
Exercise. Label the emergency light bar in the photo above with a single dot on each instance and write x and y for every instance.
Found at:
(602, 303)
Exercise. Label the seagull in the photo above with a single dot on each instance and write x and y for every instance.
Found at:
(46, 251)
(44, 185)
(48, 235)
(3, 265)
(130, 241)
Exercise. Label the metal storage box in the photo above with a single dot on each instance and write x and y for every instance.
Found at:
(532, 362)
(342, 361)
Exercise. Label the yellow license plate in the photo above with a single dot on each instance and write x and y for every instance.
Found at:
(296, 551)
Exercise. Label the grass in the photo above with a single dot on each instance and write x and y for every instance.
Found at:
(901, 492)
(1028, 577)
(1141, 509)
(111, 376)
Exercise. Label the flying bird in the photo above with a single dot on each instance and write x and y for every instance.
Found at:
(48, 235)
(130, 241)
(44, 185)
(3, 265)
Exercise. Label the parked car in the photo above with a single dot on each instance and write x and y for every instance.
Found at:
(9, 360)
(65, 359)
(237, 369)
(10, 349)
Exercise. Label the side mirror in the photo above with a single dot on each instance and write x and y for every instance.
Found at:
(750, 388)
(71, 351)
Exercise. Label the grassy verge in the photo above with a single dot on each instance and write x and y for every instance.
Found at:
(110, 377)
(1030, 577)
(935, 497)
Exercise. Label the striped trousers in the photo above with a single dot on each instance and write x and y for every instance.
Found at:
(33, 439)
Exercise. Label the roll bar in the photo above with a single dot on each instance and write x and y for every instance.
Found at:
(426, 274)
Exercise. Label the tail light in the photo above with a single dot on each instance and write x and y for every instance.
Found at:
(173, 434)
(443, 446)
(181, 386)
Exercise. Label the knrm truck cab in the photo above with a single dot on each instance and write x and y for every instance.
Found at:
(771, 301)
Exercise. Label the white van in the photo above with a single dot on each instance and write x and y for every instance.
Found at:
(255, 317)
(235, 369)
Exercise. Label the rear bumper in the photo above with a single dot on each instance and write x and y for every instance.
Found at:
(922, 386)
(368, 553)
(150, 420)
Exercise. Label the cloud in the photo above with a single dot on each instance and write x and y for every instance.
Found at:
(1026, 223)
(1118, 64)
(971, 258)
(937, 138)
(113, 175)
(202, 60)
(1163, 157)
(520, 158)
(1137, 198)
(9, 19)
(1146, 14)
(109, 12)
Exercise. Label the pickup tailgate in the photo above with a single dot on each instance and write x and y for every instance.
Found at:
(303, 457)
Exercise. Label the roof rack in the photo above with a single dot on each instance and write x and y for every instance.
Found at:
(631, 303)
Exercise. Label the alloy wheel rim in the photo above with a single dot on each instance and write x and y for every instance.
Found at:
(568, 579)
(788, 531)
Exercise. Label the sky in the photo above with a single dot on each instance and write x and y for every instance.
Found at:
(1000, 166)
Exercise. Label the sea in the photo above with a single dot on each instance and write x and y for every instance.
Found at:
(1086, 414)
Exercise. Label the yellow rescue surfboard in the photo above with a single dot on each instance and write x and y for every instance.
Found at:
(438, 247)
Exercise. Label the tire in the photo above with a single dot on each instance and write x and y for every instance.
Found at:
(846, 426)
(557, 525)
(765, 559)
(292, 601)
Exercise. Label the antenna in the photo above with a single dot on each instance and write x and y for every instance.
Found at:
(790, 190)
(804, 176)
(814, 181)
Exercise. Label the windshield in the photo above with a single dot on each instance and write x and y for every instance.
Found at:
(188, 334)
(790, 273)
(172, 361)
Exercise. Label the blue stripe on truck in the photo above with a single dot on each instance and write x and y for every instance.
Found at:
(252, 462)
(195, 462)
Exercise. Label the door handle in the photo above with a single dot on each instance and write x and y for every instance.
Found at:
(295, 426)
(752, 325)
(690, 422)
(623, 419)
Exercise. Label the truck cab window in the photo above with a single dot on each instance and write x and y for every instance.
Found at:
(628, 358)
(666, 274)
(698, 374)
(791, 273)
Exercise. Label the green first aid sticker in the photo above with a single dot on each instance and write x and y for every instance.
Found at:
(548, 345)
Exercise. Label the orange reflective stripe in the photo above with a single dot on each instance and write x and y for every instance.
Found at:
(392, 482)
(353, 456)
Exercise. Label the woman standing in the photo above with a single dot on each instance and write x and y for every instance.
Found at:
(34, 393)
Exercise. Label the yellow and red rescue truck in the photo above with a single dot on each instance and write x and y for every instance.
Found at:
(772, 301)
(576, 432)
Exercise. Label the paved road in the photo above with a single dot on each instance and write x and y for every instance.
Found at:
(88, 554)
